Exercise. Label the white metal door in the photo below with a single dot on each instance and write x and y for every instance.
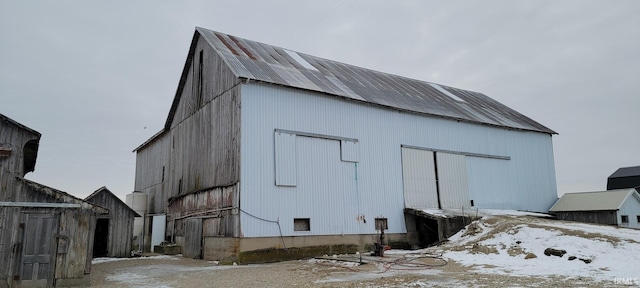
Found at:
(157, 233)
(452, 180)
(419, 179)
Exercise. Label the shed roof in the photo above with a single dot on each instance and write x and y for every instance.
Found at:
(104, 189)
(594, 201)
(61, 196)
(626, 172)
(257, 61)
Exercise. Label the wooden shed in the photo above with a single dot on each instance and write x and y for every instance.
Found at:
(114, 231)
(619, 207)
(44, 232)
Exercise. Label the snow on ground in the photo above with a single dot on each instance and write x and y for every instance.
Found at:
(157, 257)
(499, 245)
(481, 212)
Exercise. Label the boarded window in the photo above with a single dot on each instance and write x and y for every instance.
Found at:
(285, 159)
(301, 224)
(349, 151)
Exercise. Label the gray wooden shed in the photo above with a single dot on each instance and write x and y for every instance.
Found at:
(114, 231)
(44, 232)
(613, 207)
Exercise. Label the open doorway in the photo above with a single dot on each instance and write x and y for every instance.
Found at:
(101, 238)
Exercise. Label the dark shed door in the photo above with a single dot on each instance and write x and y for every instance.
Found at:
(38, 263)
(192, 238)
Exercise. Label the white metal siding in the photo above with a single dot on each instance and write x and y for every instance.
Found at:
(349, 151)
(528, 184)
(452, 180)
(631, 208)
(488, 182)
(285, 158)
(419, 179)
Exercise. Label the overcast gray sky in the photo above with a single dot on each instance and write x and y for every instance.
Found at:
(97, 78)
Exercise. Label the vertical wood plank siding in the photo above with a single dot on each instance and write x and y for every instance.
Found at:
(14, 138)
(199, 153)
(121, 219)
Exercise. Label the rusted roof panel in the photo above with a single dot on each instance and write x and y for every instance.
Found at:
(257, 61)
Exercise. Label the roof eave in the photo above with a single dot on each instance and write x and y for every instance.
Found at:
(549, 131)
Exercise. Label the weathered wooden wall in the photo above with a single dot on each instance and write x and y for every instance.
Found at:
(14, 137)
(217, 207)
(200, 151)
(598, 217)
(75, 229)
(8, 238)
(121, 219)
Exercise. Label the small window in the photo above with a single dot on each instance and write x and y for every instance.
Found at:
(381, 224)
(625, 219)
(638, 219)
(301, 224)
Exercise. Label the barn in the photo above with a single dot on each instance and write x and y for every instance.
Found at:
(620, 207)
(44, 232)
(268, 153)
(113, 235)
(625, 177)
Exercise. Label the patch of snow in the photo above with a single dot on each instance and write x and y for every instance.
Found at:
(157, 257)
(613, 256)
(445, 213)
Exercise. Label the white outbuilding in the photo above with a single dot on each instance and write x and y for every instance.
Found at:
(268, 153)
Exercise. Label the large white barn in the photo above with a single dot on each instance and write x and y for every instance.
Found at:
(268, 153)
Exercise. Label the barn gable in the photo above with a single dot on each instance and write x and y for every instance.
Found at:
(18, 148)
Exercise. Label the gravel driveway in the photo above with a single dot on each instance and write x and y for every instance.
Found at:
(176, 271)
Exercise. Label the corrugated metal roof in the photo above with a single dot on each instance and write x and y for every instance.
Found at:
(257, 61)
(626, 172)
(593, 201)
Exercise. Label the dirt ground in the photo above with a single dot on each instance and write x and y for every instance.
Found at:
(391, 271)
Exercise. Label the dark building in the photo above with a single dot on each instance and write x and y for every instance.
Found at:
(625, 177)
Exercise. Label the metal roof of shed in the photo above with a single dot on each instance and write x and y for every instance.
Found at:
(593, 201)
(257, 61)
(626, 172)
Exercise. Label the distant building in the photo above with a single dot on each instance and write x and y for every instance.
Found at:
(619, 207)
(114, 231)
(626, 177)
(46, 235)
(268, 153)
